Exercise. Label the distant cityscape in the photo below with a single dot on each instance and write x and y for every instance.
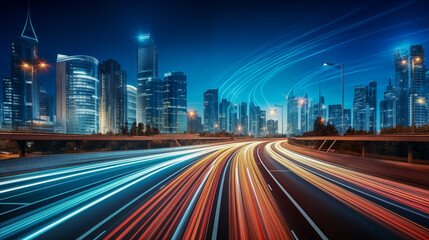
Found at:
(94, 97)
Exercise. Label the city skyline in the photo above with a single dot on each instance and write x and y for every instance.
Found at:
(377, 62)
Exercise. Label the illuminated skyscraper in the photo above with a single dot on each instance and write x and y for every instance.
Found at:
(211, 112)
(194, 122)
(147, 81)
(24, 92)
(365, 108)
(224, 106)
(175, 102)
(254, 118)
(292, 114)
(387, 108)
(417, 85)
(113, 97)
(77, 91)
(262, 123)
(232, 120)
(272, 127)
(131, 105)
(243, 127)
(335, 117)
(7, 104)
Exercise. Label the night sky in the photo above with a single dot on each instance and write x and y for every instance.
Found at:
(250, 50)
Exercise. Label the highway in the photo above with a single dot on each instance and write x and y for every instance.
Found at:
(241, 190)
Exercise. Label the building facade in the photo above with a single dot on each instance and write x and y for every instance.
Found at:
(194, 122)
(77, 94)
(365, 107)
(292, 114)
(211, 111)
(224, 106)
(388, 108)
(175, 102)
(254, 117)
(113, 97)
(131, 105)
(272, 127)
(243, 127)
(147, 79)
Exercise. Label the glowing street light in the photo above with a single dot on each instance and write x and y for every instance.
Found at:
(272, 111)
(342, 91)
(421, 100)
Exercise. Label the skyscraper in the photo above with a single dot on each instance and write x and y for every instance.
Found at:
(303, 114)
(400, 58)
(262, 123)
(211, 113)
(254, 117)
(194, 122)
(175, 102)
(243, 127)
(232, 121)
(365, 107)
(7, 104)
(77, 92)
(224, 106)
(417, 85)
(372, 106)
(147, 78)
(387, 107)
(272, 127)
(153, 103)
(292, 114)
(46, 106)
(24, 86)
(335, 117)
(131, 105)
(113, 97)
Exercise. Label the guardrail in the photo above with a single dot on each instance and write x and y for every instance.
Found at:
(329, 141)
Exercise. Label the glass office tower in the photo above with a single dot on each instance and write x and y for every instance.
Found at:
(175, 102)
(77, 91)
(131, 105)
(147, 74)
(113, 97)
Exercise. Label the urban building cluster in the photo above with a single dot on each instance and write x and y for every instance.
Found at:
(91, 96)
(240, 118)
(94, 97)
(404, 102)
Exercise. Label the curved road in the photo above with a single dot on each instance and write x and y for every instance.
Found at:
(244, 190)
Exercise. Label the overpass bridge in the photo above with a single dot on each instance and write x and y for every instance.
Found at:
(174, 139)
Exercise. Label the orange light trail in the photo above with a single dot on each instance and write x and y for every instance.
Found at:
(396, 223)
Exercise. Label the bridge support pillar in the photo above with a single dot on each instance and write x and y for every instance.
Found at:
(410, 152)
(126, 145)
(363, 149)
(148, 145)
(21, 148)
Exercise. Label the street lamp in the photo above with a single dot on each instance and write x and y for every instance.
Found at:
(37, 66)
(413, 61)
(281, 106)
(342, 91)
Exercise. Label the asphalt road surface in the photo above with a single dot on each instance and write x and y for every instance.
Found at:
(243, 190)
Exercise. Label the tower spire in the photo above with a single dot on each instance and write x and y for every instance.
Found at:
(28, 31)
